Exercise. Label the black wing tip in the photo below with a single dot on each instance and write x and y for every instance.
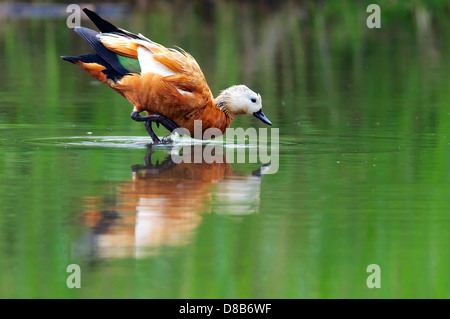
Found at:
(71, 59)
(91, 14)
(88, 58)
(82, 30)
(100, 23)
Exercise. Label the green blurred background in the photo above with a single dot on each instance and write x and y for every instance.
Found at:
(364, 119)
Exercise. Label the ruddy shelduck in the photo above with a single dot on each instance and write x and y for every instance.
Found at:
(166, 83)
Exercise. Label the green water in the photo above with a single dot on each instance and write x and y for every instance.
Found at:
(364, 161)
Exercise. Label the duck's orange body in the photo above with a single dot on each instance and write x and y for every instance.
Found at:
(158, 95)
(159, 80)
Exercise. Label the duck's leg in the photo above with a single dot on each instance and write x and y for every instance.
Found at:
(158, 119)
(148, 127)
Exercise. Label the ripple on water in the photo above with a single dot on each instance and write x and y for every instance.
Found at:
(312, 143)
(126, 142)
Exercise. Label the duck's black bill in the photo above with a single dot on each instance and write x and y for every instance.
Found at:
(260, 116)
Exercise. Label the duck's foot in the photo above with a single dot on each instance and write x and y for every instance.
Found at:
(158, 119)
(148, 127)
(167, 139)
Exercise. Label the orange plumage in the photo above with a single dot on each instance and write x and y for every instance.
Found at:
(164, 82)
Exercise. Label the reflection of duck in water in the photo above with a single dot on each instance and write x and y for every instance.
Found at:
(163, 204)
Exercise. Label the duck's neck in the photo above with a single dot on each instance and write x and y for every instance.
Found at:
(217, 115)
(223, 105)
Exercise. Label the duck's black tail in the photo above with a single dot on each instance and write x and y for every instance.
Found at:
(88, 59)
(113, 69)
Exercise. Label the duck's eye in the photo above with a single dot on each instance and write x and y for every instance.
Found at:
(253, 100)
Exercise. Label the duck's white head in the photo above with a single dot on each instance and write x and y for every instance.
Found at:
(239, 99)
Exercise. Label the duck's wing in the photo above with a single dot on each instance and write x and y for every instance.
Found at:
(107, 27)
(177, 67)
(148, 74)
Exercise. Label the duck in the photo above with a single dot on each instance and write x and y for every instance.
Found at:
(165, 83)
